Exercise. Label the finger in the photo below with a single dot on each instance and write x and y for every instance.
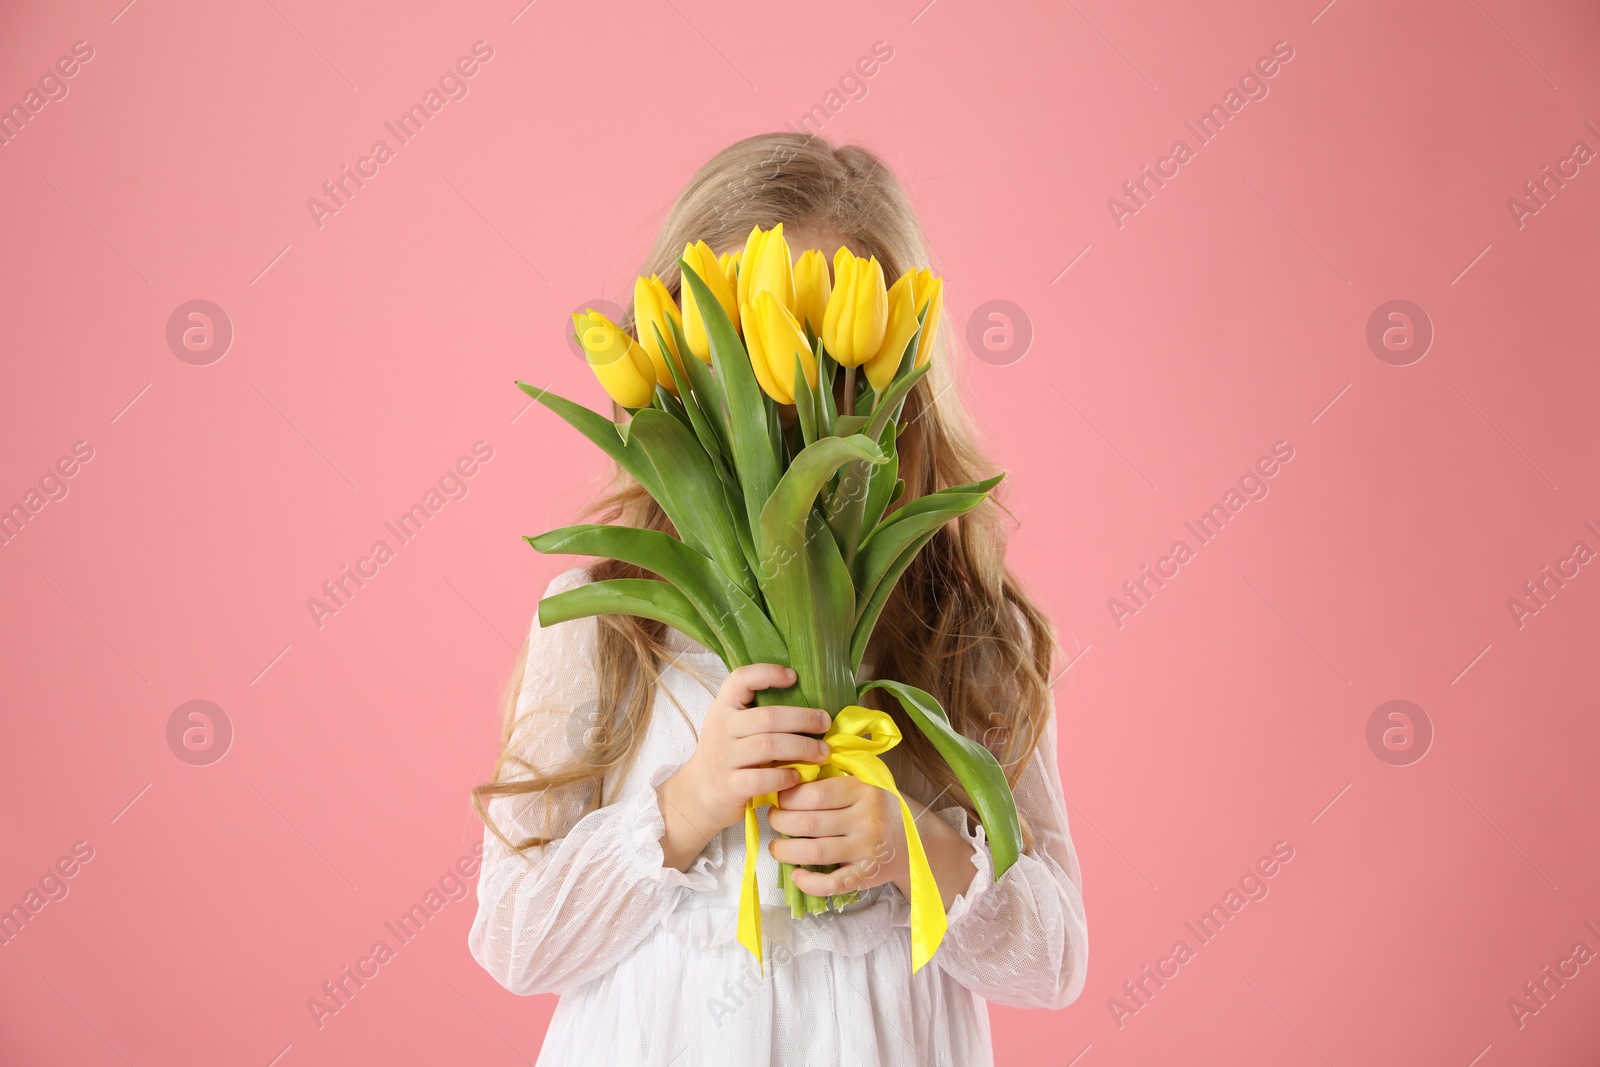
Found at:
(832, 822)
(781, 719)
(846, 879)
(762, 749)
(754, 781)
(798, 850)
(840, 791)
(740, 687)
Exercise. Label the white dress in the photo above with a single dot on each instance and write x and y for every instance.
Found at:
(644, 956)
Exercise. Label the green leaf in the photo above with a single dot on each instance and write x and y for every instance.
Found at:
(870, 603)
(783, 517)
(642, 597)
(807, 585)
(739, 624)
(780, 447)
(805, 402)
(845, 425)
(812, 601)
(665, 401)
(881, 480)
(707, 393)
(894, 543)
(893, 399)
(691, 492)
(749, 440)
(881, 551)
(975, 767)
(611, 438)
(826, 413)
(930, 512)
(852, 498)
(733, 501)
(689, 401)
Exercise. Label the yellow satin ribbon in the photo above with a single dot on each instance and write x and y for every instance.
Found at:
(857, 738)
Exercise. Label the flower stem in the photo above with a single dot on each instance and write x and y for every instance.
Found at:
(849, 407)
(791, 892)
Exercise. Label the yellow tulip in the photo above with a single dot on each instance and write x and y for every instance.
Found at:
(704, 263)
(774, 338)
(930, 293)
(811, 289)
(624, 369)
(766, 267)
(858, 309)
(730, 268)
(903, 300)
(652, 308)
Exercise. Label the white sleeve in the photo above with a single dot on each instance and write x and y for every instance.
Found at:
(1022, 941)
(555, 917)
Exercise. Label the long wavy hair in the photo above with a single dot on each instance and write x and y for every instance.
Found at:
(958, 625)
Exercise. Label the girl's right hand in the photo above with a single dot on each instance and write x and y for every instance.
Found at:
(729, 763)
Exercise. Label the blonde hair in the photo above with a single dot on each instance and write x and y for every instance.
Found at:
(958, 625)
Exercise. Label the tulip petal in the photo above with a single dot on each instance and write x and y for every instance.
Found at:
(811, 290)
(930, 294)
(622, 367)
(782, 342)
(706, 266)
(755, 340)
(872, 311)
(766, 267)
(652, 307)
(902, 324)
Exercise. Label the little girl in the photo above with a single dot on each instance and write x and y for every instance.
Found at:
(615, 847)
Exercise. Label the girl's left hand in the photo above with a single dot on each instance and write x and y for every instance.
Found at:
(841, 820)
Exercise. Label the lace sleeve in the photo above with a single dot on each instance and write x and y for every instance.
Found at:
(555, 917)
(1022, 941)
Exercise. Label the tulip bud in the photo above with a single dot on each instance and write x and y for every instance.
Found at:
(730, 268)
(704, 263)
(624, 369)
(811, 289)
(930, 293)
(903, 299)
(858, 309)
(652, 308)
(766, 267)
(774, 337)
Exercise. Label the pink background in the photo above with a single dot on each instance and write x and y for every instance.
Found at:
(1229, 313)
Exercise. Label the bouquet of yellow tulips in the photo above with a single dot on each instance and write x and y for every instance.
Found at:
(785, 548)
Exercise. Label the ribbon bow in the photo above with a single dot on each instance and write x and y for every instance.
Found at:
(857, 738)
